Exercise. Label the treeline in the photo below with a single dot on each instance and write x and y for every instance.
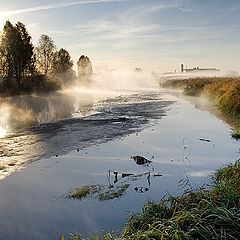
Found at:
(25, 68)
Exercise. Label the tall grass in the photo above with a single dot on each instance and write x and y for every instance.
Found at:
(197, 214)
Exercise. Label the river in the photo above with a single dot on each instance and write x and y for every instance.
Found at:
(53, 144)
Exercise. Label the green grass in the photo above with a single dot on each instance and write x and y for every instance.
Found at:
(113, 193)
(85, 191)
(100, 192)
(236, 135)
(196, 214)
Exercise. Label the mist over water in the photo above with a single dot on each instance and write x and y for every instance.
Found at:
(37, 126)
(74, 101)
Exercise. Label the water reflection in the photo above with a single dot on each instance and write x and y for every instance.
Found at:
(24, 111)
(52, 125)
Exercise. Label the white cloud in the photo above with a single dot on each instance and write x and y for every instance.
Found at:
(53, 6)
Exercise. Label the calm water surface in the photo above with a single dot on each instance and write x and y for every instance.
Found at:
(76, 141)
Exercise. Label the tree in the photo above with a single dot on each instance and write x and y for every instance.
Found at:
(61, 61)
(85, 71)
(28, 58)
(45, 54)
(62, 67)
(16, 52)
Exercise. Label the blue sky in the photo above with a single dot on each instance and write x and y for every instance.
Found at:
(153, 34)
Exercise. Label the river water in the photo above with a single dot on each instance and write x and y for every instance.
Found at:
(53, 144)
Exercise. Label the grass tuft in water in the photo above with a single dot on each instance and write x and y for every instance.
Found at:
(97, 191)
(113, 193)
(85, 191)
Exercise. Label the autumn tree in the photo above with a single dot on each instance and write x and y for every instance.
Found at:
(16, 52)
(45, 53)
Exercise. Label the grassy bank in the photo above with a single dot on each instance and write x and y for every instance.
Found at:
(197, 214)
(224, 93)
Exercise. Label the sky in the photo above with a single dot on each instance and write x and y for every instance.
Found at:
(157, 35)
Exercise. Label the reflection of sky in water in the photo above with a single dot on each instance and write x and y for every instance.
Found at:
(29, 203)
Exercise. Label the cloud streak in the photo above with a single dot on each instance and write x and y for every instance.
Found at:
(54, 6)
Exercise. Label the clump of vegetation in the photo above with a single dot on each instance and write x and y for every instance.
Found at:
(113, 193)
(236, 135)
(85, 191)
(224, 92)
(196, 214)
(100, 192)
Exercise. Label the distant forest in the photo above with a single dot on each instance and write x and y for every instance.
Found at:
(25, 68)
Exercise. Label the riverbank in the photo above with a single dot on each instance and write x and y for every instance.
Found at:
(221, 91)
(196, 214)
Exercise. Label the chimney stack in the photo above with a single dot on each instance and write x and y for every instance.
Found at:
(182, 68)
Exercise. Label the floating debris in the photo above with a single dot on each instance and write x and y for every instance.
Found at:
(157, 175)
(11, 164)
(141, 160)
(126, 174)
(204, 140)
(141, 189)
(56, 155)
(115, 174)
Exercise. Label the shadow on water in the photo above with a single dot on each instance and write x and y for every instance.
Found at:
(53, 125)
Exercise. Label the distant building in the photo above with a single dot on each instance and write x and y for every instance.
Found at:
(197, 69)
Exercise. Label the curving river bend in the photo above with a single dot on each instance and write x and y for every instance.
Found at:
(52, 144)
